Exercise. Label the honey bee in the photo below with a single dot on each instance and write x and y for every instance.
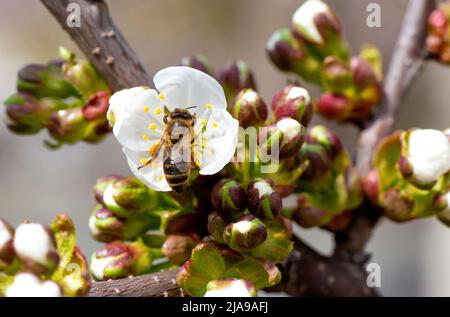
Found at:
(176, 143)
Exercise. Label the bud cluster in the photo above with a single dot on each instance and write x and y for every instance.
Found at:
(42, 261)
(438, 38)
(314, 49)
(411, 175)
(67, 97)
(330, 186)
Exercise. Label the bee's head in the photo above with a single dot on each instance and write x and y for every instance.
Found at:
(183, 114)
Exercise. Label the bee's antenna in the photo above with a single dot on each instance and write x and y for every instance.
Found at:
(192, 107)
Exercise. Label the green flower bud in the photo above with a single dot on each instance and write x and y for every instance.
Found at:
(81, 74)
(316, 23)
(278, 244)
(290, 54)
(216, 226)
(397, 207)
(199, 62)
(44, 81)
(230, 287)
(307, 215)
(120, 259)
(263, 200)
(293, 102)
(102, 183)
(336, 75)
(246, 233)
(249, 108)
(28, 115)
(126, 197)
(234, 77)
(7, 253)
(67, 126)
(177, 248)
(35, 246)
(229, 198)
(324, 136)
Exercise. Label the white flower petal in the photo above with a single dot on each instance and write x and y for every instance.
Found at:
(119, 103)
(152, 174)
(143, 125)
(303, 19)
(233, 288)
(220, 137)
(32, 241)
(29, 285)
(183, 87)
(429, 154)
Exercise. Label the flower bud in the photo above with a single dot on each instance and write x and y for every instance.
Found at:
(177, 248)
(97, 106)
(6, 244)
(246, 233)
(316, 23)
(426, 156)
(199, 62)
(339, 222)
(437, 40)
(263, 200)
(102, 183)
(36, 248)
(44, 81)
(126, 197)
(249, 108)
(397, 207)
(27, 114)
(334, 106)
(307, 215)
(216, 226)
(443, 203)
(290, 54)
(363, 72)
(371, 186)
(293, 102)
(324, 136)
(229, 198)
(67, 126)
(230, 287)
(336, 75)
(320, 161)
(30, 285)
(234, 77)
(119, 259)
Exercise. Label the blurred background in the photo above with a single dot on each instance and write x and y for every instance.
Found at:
(36, 183)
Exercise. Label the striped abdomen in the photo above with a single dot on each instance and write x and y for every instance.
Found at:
(176, 171)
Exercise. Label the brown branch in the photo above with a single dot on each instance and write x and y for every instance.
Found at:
(160, 284)
(305, 272)
(102, 43)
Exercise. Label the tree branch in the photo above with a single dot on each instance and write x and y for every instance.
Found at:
(101, 42)
(305, 272)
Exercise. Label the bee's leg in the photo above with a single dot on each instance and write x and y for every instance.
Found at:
(165, 118)
(148, 162)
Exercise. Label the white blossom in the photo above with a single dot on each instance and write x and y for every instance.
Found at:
(141, 124)
(33, 242)
(429, 154)
(29, 285)
(230, 288)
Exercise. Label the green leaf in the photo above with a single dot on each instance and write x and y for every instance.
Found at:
(249, 269)
(208, 260)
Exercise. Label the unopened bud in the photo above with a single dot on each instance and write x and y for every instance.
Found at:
(396, 206)
(216, 226)
(30, 285)
(293, 102)
(97, 106)
(324, 136)
(371, 186)
(230, 287)
(234, 77)
(337, 75)
(263, 200)
(102, 183)
(6, 244)
(442, 203)
(229, 198)
(245, 234)
(249, 108)
(177, 248)
(68, 126)
(307, 215)
(36, 248)
(334, 106)
(199, 62)
(120, 259)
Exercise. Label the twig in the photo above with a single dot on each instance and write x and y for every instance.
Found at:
(102, 43)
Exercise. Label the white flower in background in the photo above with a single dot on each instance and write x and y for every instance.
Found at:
(428, 154)
(305, 23)
(33, 242)
(138, 122)
(29, 285)
(231, 287)
(6, 234)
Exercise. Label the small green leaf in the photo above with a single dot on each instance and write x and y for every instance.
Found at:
(249, 269)
(208, 260)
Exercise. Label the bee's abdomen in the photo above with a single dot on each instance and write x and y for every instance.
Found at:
(177, 174)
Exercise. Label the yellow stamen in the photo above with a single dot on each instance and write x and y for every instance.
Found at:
(161, 96)
(158, 111)
(208, 106)
(153, 148)
(215, 124)
(144, 161)
(160, 178)
(198, 163)
(152, 126)
(145, 137)
(146, 108)
(204, 122)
